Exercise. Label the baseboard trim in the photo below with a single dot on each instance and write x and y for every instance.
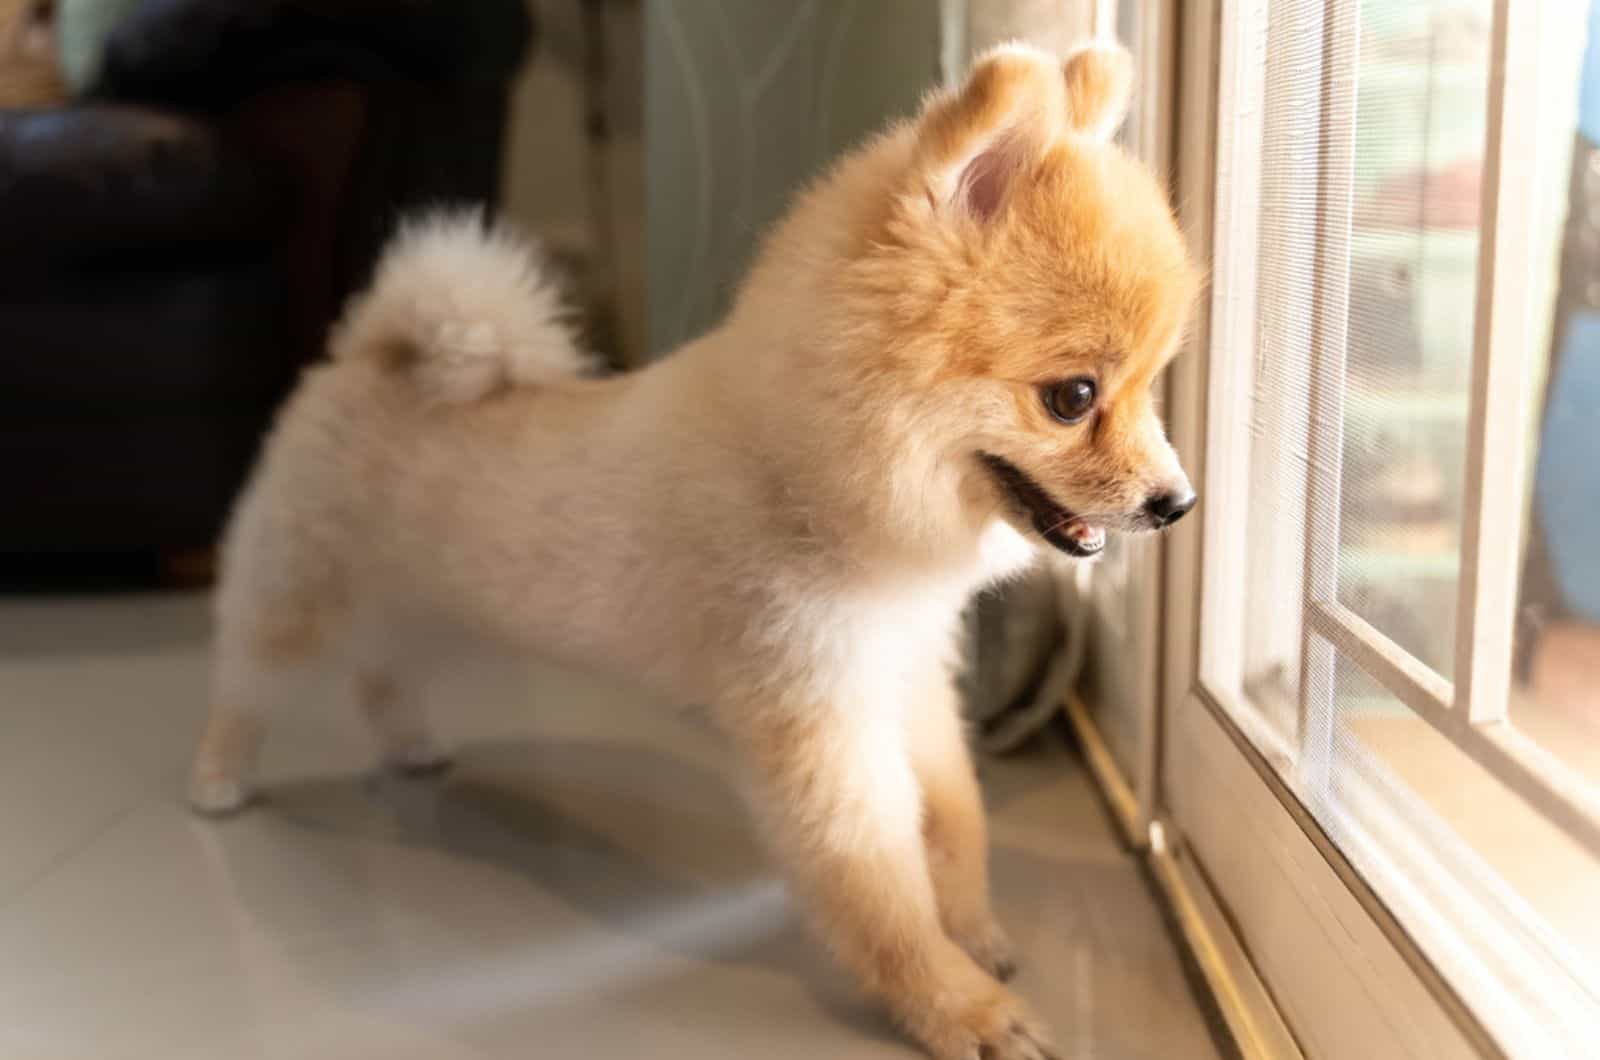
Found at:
(1118, 792)
(1247, 1007)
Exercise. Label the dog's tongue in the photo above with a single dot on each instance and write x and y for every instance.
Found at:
(1089, 538)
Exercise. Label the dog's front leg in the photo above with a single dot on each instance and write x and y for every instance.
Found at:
(842, 804)
(953, 825)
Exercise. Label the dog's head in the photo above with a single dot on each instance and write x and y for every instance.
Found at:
(1028, 284)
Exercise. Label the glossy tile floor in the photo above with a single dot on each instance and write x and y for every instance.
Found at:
(581, 885)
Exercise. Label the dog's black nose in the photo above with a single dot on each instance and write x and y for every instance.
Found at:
(1167, 508)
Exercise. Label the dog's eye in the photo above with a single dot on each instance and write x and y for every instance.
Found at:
(1072, 400)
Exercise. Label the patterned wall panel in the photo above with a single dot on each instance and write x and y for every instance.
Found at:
(744, 101)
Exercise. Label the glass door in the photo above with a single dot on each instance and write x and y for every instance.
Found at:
(1383, 749)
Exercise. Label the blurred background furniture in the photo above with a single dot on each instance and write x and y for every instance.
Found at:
(174, 244)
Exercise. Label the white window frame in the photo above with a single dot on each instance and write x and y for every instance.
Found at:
(1471, 714)
(1341, 969)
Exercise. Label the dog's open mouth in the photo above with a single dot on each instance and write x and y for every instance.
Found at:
(1070, 533)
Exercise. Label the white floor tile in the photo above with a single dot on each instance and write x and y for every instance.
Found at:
(582, 884)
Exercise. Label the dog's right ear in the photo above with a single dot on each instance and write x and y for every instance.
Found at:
(973, 144)
(1099, 89)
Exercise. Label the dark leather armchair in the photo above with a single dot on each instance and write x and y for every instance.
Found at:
(173, 248)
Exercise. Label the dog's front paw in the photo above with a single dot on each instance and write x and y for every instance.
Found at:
(989, 1023)
(989, 945)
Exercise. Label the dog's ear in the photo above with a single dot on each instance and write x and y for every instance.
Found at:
(973, 144)
(1099, 79)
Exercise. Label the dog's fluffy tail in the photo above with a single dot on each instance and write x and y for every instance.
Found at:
(462, 311)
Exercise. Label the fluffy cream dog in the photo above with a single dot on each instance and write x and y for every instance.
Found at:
(942, 358)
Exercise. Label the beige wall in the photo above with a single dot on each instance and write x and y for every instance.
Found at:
(548, 185)
(745, 101)
(543, 182)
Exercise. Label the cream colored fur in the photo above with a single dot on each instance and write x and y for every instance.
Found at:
(782, 520)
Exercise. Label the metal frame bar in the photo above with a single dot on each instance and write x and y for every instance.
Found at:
(1491, 524)
(1410, 680)
(1329, 346)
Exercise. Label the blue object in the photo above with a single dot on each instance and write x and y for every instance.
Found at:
(1589, 90)
(1567, 477)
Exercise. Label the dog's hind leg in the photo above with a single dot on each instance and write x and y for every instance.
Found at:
(248, 674)
(277, 613)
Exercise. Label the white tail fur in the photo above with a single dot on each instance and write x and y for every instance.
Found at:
(463, 310)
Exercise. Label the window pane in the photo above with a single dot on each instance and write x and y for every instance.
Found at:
(1421, 119)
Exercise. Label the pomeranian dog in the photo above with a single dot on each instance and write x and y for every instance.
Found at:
(941, 360)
